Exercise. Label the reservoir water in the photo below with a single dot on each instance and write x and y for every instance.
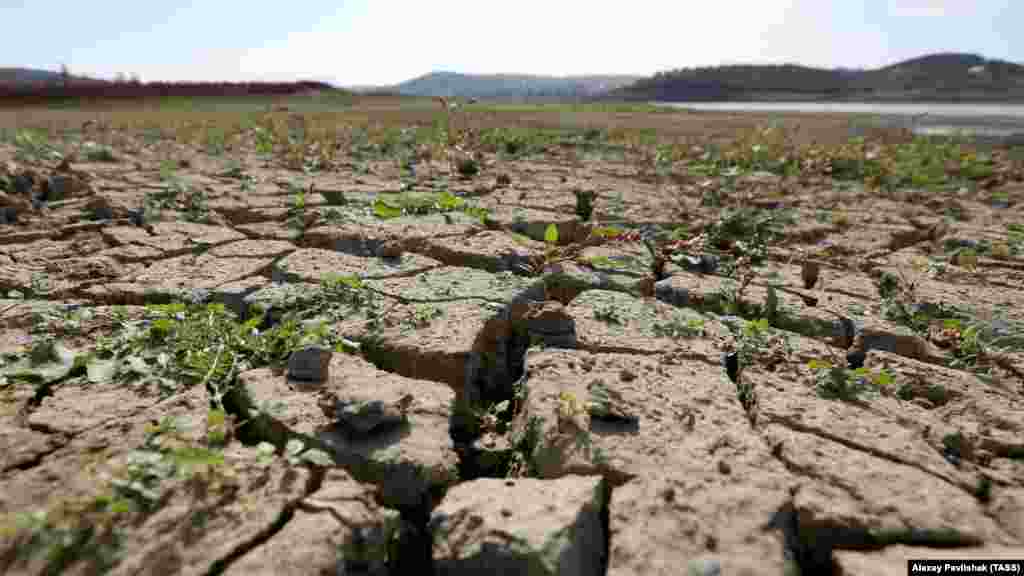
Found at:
(985, 119)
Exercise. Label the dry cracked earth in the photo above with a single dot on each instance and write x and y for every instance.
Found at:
(490, 404)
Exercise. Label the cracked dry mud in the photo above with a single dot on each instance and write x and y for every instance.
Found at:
(625, 447)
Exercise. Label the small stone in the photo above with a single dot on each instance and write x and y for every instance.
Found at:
(855, 359)
(627, 375)
(724, 467)
(373, 415)
(23, 183)
(731, 362)
(310, 364)
(8, 215)
(669, 494)
(669, 294)
(59, 187)
(708, 263)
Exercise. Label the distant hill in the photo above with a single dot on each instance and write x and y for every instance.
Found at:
(946, 77)
(25, 85)
(27, 76)
(511, 86)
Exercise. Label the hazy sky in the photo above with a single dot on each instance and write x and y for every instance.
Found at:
(387, 41)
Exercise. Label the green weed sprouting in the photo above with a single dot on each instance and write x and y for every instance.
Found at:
(31, 145)
(585, 204)
(388, 206)
(609, 314)
(841, 383)
(679, 327)
(96, 153)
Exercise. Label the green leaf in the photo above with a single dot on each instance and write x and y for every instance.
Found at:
(818, 365)
(293, 447)
(191, 456)
(48, 361)
(885, 379)
(136, 365)
(215, 418)
(385, 211)
(551, 234)
(448, 201)
(607, 231)
(318, 457)
(120, 506)
(102, 370)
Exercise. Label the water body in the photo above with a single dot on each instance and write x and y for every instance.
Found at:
(999, 121)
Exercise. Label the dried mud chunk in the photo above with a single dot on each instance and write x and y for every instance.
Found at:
(366, 416)
(551, 323)
(310, 364)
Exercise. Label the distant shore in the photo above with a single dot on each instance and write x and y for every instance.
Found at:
(982, 120)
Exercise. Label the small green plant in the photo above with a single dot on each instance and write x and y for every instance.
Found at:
(423, 315)
(97, 153)
(264, 141)
(752, 340)
(168, 169)
(678, 327)
(297, 211)
(841, 383)
(296, 453)
(31, 145)
(609, 314)
(217, 427)
(388, 206)
(567, 413)
(585, 204)
(1015, 238)
(617, 205)
(215, 142)
(196, 206)
(67, 534)
(40, 284)
(551, 235)
(467, 167)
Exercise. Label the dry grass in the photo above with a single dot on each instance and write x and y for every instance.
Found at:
(186, 119)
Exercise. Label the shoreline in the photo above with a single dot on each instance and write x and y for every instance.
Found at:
(980, 121)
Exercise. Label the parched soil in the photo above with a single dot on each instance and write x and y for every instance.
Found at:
(212, 362)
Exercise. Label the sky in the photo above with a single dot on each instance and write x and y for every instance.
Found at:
(383, 42)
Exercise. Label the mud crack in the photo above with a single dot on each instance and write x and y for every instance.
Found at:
(872, 451)
(316, 479)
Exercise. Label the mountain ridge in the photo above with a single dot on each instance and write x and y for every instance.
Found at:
(448, 83)
(943, 77)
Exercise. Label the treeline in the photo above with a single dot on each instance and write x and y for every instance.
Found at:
(944, 77)
(93, 89)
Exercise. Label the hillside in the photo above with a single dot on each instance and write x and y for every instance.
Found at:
(511, 85)
(27, 76)
(19, 86)
(944, 77)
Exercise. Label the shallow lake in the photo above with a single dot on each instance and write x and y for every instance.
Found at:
(996, 120)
